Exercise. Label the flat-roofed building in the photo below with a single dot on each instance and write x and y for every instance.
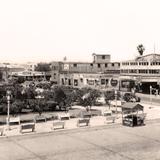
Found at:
(98, 73)
(145, 70)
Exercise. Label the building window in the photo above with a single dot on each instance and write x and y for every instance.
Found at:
(90, 82)
(143, 71)
(91, 64)
(102, 81)
(107, 81)
(112, 64)
(62, 81)
(74, 65)
(132, 71)
(69, 82)
(103, 57)
(81, 80)
(106, 65)
(99, 65)
(75, 82)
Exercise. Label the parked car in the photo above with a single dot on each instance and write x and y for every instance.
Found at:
(129, 97)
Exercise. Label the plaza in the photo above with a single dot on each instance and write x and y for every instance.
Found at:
(104, 142)
(152, 112)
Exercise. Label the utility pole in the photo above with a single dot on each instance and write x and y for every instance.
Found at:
(116, 99)
(8, 108)
(150, 88)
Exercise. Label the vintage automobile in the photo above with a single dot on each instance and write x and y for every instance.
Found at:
(128, 97)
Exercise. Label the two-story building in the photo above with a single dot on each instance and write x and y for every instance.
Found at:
(100, 73)
(145, 70)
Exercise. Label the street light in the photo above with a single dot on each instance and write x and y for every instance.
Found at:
(8, 95)
(150, 88)
(116, 99)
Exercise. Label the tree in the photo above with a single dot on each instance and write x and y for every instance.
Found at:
(43, 67)
(16, 107)
(40, 104)
(88, 96)
(140, 49)
(18, 92)
(30, 92)
(70, 98)
(20, 80)
(110, 95)
(59, 96)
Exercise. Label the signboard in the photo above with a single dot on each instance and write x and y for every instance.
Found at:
(114, 82)
(66, 66)
(112, 71)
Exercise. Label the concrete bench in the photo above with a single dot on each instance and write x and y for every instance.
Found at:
(65, 116)
(1, 131)
(83, 122)
(27, 127)
(110, 119)
(14, 120)
(58, 124)
(87, 115)
(107, 113)
(40, 118)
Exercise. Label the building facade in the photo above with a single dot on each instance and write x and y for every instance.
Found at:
(145, 70)
(100, 73)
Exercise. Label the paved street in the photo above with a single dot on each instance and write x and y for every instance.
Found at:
(107, 143)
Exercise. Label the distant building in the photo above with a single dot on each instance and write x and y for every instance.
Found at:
(55, 72)
(101, 58)
(30, 66)
(101, 73)
(30, 75)
(145, 70)
(6, 69)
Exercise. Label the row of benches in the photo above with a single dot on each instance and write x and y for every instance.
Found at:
(43, 118)
(57, 124)
(39, 118)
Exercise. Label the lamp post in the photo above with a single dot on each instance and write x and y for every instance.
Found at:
(8, 107)
(116, 99)
(150, 88)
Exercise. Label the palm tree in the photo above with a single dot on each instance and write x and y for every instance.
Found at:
(140, 49)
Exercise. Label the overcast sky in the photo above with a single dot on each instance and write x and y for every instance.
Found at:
(48, 30)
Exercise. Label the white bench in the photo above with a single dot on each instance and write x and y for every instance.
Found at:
(64, 116)
(58, 124)
(27, 127)
(39, 118)
(85, 122)
(87, 115)
(107, 113)
(13, 120)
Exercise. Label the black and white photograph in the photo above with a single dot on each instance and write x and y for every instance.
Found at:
(79, 80)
